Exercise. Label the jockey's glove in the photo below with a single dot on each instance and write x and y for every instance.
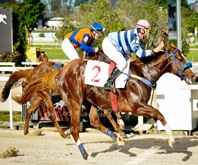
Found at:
(159, 48)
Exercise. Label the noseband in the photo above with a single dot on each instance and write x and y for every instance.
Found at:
(176, 61)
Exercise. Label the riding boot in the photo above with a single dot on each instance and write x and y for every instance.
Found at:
(109, 84)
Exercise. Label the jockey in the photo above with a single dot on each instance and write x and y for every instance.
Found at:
(118, 44)
(82, 39)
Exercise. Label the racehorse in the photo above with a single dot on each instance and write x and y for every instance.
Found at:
(133, 98)
(24, 77)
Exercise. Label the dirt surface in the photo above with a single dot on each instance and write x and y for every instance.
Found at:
(44, 146)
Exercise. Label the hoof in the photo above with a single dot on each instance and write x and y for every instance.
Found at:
(171, 143)
(25, 133)
(84, 154)
(120, 141)
(67, 135)
(124, 136)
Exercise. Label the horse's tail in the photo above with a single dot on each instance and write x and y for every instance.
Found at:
(44, 82)
(16, 79)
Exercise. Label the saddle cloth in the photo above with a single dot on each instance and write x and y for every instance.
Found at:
(96, 74)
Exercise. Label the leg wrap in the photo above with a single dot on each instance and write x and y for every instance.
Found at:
(111, 134)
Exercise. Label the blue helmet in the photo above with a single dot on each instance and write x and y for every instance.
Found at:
(96, 27)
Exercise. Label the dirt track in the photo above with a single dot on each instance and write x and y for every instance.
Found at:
(49, 148)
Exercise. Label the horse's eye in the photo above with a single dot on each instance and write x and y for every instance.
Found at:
(180, 58)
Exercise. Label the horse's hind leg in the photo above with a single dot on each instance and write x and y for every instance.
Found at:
(48, 100)
(115, 126)
(36, 102)
(95, 122)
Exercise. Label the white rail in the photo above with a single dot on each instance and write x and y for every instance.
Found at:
(30, 63)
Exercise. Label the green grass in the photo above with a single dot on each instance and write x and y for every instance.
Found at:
(193, 56)
(55, 52)
(5, 116)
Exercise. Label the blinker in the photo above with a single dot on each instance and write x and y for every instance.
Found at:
(188, 65)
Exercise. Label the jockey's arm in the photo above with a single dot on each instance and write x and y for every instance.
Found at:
(139, 51)
(85, 46)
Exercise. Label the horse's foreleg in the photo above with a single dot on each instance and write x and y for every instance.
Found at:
(120, 122)
(115, 126)
(171, 142)
(48, 100)
(34, 105)
(75, 110)
(149, 111)
(95, 122)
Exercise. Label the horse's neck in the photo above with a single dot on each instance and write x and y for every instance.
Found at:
(152, 68)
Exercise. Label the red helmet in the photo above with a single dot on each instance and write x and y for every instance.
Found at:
(143, 24)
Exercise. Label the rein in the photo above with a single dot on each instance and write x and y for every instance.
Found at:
(108, 60)
(180, 73)
(149, 83)
(187, 65)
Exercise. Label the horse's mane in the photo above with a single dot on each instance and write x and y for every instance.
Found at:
(145, 60)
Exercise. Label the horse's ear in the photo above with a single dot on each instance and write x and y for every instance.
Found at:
(164, 36)
(171, 45)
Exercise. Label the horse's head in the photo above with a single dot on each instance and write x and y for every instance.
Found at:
(179, 65)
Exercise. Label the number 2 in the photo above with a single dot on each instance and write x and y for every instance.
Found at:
(95, 79)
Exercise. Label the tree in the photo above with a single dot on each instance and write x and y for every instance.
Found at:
(25, 16)
(32, 11)
(129, 12)
(124, 15)
(87, 13)
(55, 5)
(189, 21)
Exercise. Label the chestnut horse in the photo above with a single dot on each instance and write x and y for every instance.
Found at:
(133, 98)
(24, 77)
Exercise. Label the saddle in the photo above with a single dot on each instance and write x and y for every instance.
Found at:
(100, 56)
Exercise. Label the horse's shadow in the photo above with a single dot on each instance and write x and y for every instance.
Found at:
(182, 145)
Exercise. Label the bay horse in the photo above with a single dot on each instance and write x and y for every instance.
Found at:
(133, 98)
(24, 77)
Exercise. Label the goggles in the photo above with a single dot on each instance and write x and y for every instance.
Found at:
(146, 30)
(96, 30)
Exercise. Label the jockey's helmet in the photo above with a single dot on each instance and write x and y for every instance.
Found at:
(96, 27)
(143, 24)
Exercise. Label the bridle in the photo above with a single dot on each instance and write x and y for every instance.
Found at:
(176, 61)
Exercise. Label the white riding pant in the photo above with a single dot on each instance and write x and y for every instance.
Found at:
(111, 51)
(69, 50)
